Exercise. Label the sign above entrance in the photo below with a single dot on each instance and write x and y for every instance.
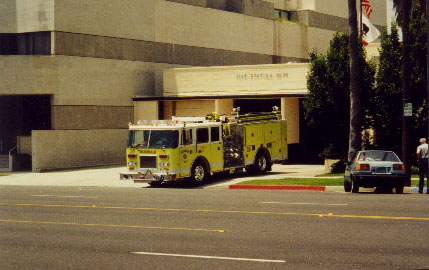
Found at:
(262, 76)
(263, 80)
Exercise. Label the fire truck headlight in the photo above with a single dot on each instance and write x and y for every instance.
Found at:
(163, 164)
(132, 163)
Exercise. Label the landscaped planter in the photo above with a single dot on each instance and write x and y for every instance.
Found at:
(328, 164)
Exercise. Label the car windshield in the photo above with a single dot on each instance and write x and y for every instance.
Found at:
(153, 138)
(378, 156)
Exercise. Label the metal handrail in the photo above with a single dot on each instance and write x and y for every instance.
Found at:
(12, 149)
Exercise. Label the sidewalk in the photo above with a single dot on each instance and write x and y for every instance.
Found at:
(100, 176)
(109, 177)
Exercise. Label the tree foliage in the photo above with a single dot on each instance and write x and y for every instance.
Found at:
(418, 76)
(327, 107)
(386, 100)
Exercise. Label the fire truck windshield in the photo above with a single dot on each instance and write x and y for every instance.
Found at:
(153, 138)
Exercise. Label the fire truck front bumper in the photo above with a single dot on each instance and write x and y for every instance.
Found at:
(147, 177)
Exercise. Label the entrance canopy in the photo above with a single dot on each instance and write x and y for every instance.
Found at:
(256, 80)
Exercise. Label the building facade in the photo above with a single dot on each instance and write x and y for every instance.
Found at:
(72, 70)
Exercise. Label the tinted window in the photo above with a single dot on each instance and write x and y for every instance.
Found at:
(202, 135)
(215, 134)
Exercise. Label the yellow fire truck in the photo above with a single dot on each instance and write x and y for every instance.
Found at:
(197, 147)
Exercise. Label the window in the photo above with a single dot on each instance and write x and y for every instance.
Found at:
(202, 135)
(282, 14)
(215, 134)
(153, 138)
(35, 43)
(187, 137)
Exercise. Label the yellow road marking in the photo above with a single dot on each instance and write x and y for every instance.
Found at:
(219, 211)
(108, 225)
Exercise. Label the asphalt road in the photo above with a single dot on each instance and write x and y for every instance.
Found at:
(148, 228)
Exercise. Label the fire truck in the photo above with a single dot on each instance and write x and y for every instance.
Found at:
(196, 148)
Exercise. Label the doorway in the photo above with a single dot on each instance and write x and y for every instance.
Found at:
(19, 115)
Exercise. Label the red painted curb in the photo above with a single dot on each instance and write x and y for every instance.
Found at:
(263, 187)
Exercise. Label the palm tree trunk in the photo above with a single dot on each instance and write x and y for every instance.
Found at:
(355, 95)
(406, 69)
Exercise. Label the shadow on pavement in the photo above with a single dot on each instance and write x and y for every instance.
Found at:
(218, 178)
(381, 190)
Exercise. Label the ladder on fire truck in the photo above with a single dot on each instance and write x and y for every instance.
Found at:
(236, 117)
(256, 116)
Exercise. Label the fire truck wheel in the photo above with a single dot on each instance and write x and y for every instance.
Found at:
(155, 184)
(199, 173)
(262, 163)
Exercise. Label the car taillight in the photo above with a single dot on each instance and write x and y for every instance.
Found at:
(399, 167)
(363, 167)
(132, 155)
(163, 156)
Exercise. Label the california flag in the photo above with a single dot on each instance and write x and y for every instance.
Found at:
(369, 31)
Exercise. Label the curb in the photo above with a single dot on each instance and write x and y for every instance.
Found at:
(263, 187)
(416, 190)
(309, 188)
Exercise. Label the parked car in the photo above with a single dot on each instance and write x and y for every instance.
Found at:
(375, 168)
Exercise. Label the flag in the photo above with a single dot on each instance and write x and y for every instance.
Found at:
(369, 31)
(367, 7)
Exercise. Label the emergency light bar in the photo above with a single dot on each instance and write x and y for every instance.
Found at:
(157, 122)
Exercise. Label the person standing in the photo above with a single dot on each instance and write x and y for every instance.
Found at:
(422, 159)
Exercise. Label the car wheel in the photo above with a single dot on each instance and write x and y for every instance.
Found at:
(399, 189)
(355, 187)
(199, 173)
(347, 185)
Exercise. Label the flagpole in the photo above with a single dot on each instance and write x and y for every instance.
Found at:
(360, 24)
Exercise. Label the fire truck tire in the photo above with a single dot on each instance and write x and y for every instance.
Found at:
(155, 184)
(199, 173)
(262, 162)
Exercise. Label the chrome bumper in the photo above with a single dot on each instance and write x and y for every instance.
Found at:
(147, 177)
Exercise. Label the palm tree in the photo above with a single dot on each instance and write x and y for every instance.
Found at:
(355, 91)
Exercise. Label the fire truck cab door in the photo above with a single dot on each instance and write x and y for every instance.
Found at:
(203, 142)
(216, 149)
(187, 152)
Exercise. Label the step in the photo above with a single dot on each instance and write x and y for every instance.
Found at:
(4, 161)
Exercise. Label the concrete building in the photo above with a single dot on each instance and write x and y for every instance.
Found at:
(72, 70)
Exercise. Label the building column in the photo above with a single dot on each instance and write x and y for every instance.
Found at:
(146, 110)
(224, 106)
(290, 112)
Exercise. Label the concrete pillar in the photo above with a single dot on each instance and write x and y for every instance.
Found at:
(146, 110)
(290, 111)
(224, 106)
